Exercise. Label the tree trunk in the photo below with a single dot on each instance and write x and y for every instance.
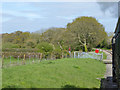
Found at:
(60, 46)
(85, 47)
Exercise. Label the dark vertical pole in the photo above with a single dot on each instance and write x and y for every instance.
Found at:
(113, 60)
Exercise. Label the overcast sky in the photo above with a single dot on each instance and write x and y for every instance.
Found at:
(35, 16)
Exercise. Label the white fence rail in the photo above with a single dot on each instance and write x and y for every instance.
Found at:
(93, 55)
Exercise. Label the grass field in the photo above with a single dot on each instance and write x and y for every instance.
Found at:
(61, 73)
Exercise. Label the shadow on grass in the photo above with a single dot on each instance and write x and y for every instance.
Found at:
(72, 87)
(69, 86)
(76, 67)
(65, 87)
(20, 88)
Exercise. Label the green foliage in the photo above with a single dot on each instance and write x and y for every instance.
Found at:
(83, 33)
(104, 44)
(9, 45)
(16, 38)
(57, 52)
(31, 44)
(20, 49)
(45, 47)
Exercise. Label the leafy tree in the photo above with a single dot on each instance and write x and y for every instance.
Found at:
(53, 36)
(83, 33)
(87, 31)
(31, 44)
(45, 47)
(9, 45)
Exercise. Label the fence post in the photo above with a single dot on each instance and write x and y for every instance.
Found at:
(101, 56)
(33, 59)
(62, 54)
(41, 56)
(29, 59)
(10, 59)
(74, 55)
(18, 59)
(2, 60)
(36, 58)
(24, 58)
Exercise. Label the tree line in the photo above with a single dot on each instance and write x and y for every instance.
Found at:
(84, 33)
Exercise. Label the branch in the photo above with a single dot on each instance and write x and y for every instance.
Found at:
(60, 46)
(79, 39)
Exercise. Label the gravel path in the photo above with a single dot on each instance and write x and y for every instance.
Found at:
(108, 66)
(107, 82)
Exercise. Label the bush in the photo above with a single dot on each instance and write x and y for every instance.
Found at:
(9, 45)
(45, 47)
(31, 44)
(19, 50)
(57, 52)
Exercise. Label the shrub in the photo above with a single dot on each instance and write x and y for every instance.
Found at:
(9, 45)
(45, 47)
(57, 52)
(31, 44)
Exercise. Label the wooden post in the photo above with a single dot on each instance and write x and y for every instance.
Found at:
(29, 59)
(2, 60)
(41, 56)
(24, 59)
(62, 54)
(33, 59)
(24, 56)
(18, 59)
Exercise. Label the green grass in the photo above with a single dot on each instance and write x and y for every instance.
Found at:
(104, 55)
(61, 73)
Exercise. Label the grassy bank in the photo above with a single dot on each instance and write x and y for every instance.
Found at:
(61, 73)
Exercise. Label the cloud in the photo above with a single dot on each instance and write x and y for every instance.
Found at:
(7, 15)
(111, 7)
(34, 16)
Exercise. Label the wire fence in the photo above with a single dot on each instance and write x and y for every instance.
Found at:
(15, 59)
(19, 58)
